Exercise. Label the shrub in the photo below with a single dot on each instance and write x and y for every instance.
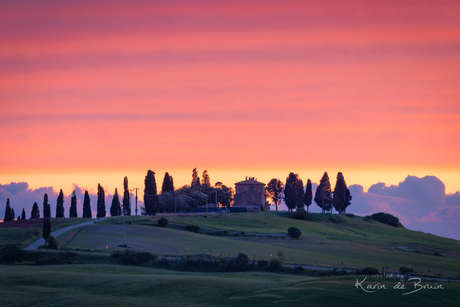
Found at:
(10, 253)
(405, 270)
(294, 232)
(163, 222)
(130, 257)
(52, 242)
(193, 228)
(262, 263)
(369, 271)
(300, 214)
(385, 218)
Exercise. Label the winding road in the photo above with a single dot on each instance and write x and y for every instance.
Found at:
(62, 231)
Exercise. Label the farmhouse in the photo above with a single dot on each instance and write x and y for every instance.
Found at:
(249, 195)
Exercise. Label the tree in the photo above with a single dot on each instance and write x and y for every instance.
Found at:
(46, 207)
(35, 213)
(8, 214)
(46, 228)
(100, 202)
(150, 193)
(115, 208)
(73, 205)
(168, 184)
(290, 197)
(23, 215)
(206, 181)
(323, 196)
(60, 205)
(308, 196)
(340, 200)
(195, 179)
(87, 206)
(126, 200)
(297, 189)
(274, 189)
(349, 198)
(13, 215)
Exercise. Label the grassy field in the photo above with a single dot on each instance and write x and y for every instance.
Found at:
(329, 240)
(112, 285)
(28, 231)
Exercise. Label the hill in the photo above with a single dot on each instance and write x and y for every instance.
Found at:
(327, 240)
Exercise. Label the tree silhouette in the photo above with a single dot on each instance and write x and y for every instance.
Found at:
(150, 192)
(168, 184)
(115, 208)
(195, 178)
(290, 196)
(8, 214)
(274, 189)
(60, 205)
(46, 228)
(23, 215)
(308, 196)
(35, 213)
(100, 202)
(126, 200)
(87, 206)
(46, 207)
(297, 185)
(13, 215)
(206, 180)
(340, 200)
(323, 196)
(73, 205)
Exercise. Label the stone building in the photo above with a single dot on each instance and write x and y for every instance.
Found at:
(249, 195)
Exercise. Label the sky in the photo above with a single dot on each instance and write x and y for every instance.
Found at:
(92, 91)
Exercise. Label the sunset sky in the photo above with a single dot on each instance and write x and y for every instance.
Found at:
(92, 91)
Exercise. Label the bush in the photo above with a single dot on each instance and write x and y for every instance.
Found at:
(129, 257)
(294, 232)
(52, 242)
(193, 228)
(163, 222)
(369, 271)
(385, 218)
(300, 214)
(10, 253)
(405, 270)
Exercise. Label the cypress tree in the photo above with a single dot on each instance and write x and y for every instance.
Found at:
(87, 206)
(150, 193)
(323, 196)
(168, 184)
(297, 185)
(195, 179)
(46, 207)
(290, 197)
(8, 214)
(115, 208)
(60, 205)
(35, 213)
(13, 215)
(348, 202)
(73, 205)
(100, 202)
(308, 196)
(126, 200)
(23, 215)
(46, 228)
(339, 199)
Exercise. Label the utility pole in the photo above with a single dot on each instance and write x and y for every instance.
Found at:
(136, 197)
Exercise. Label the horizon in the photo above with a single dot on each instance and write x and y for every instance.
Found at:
(91, 92)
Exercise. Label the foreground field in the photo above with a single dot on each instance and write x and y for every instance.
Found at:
(325, 242)
(112, 285)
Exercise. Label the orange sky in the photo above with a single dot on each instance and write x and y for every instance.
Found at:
(91, 91)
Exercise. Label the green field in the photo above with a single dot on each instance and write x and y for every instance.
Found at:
(352, 240)
(112, 285)
(326, 239)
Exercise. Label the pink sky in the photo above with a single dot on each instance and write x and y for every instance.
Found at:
(91, 91)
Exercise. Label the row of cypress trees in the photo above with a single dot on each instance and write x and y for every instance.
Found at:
(296, 198)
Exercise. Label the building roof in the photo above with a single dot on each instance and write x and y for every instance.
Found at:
(249, 180)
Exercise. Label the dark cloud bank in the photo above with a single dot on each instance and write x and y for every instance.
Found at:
(420, 203)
